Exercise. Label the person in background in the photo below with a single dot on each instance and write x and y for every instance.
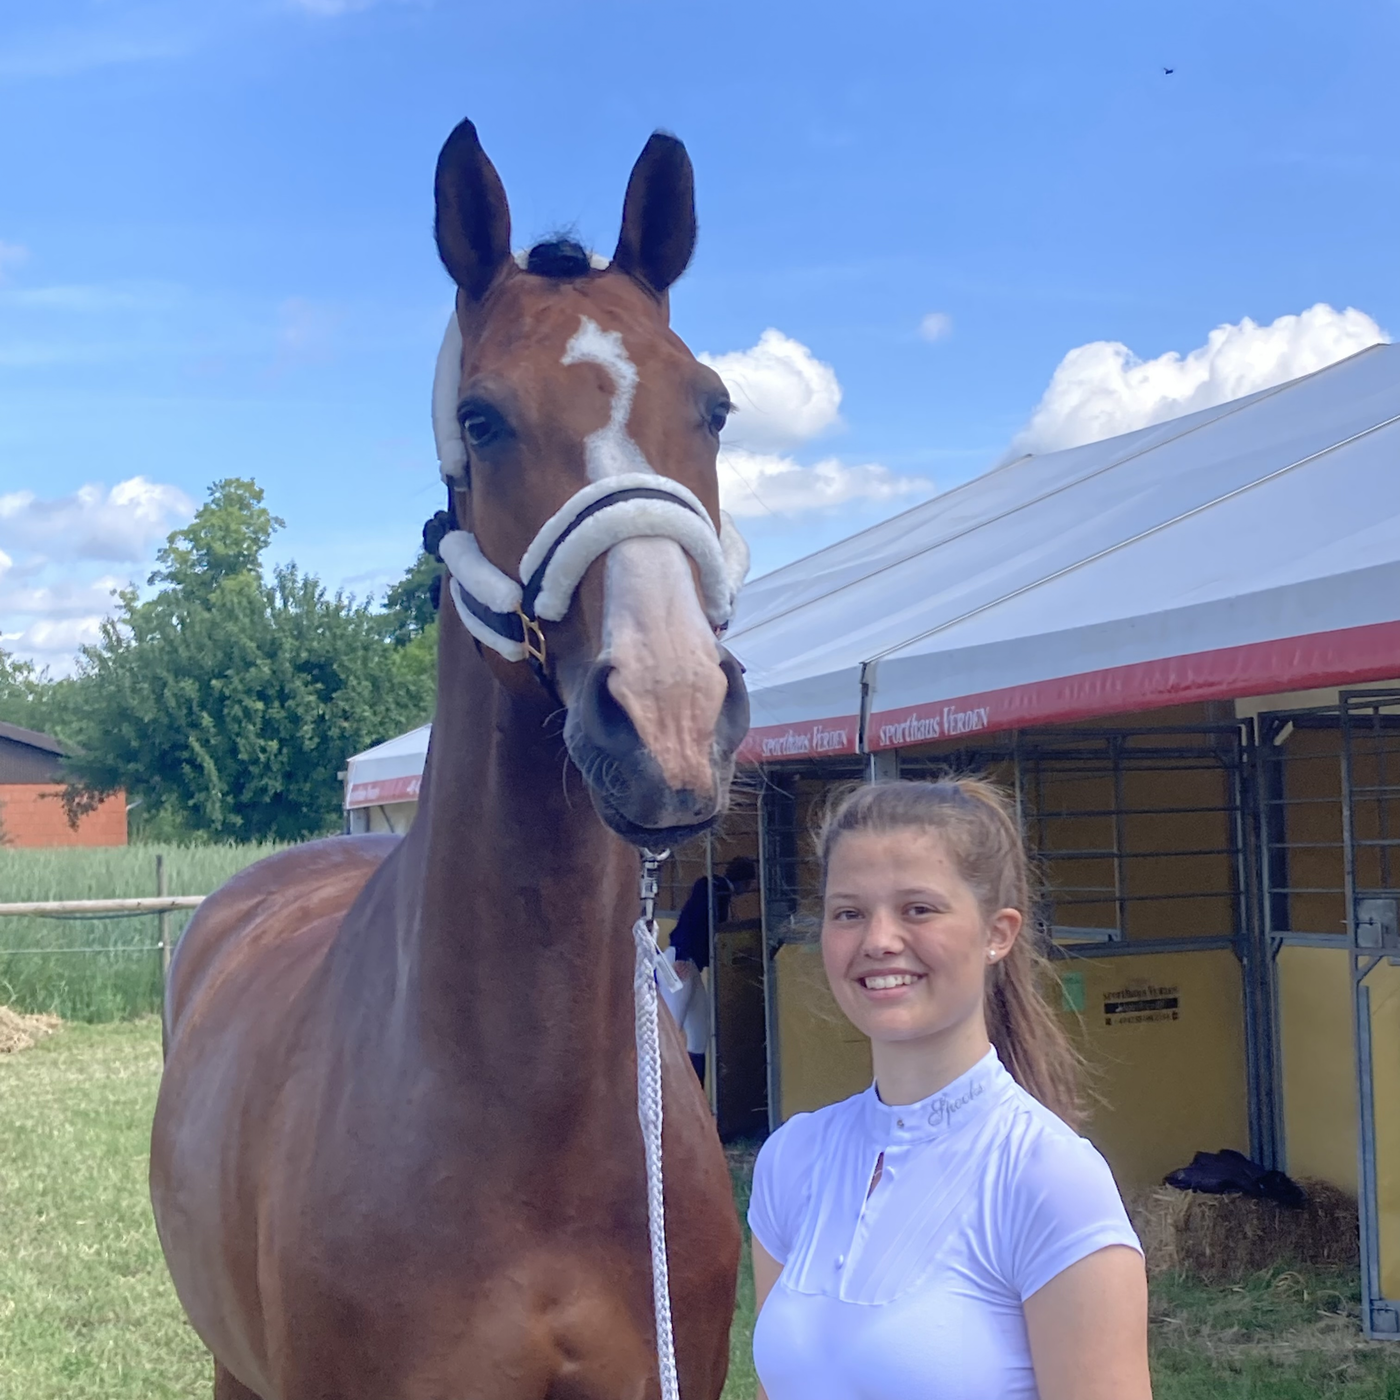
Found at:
(946, 1234)
(689, 952)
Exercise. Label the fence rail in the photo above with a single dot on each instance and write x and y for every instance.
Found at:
(61, 908)
(161, 905)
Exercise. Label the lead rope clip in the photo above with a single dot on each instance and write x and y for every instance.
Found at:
(650, 963)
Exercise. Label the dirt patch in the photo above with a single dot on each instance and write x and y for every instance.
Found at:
(19, 1030)
(1226, 1239)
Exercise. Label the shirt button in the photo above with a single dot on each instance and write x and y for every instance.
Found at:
(899, 1122)
(840, 1261)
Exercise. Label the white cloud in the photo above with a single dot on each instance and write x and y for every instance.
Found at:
(66, 50)
(94, 523)
(329, 9)
(11, 255)
(763, 483)
(784, 396)
(54, 588)
(937, 325)
(64, 598)
(54, 643)
(77, 298)
(782, 393)
(1102, 389)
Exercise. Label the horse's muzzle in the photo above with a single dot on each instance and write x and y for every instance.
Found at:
(624, 779)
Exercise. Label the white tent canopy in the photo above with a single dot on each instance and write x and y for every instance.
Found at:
(1246, 549)
(389, 772)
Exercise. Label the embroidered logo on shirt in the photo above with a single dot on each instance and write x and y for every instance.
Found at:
(942, 1111)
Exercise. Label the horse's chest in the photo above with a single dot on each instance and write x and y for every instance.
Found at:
(548, 1325)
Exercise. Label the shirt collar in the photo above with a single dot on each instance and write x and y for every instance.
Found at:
(966, 1100)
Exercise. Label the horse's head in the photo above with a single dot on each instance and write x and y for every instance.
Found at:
(579, 434)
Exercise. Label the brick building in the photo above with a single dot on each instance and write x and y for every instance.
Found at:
(31, 797)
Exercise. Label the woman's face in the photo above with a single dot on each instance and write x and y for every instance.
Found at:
(905, 943)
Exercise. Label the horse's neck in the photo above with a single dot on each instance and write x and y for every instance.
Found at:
(523, 945)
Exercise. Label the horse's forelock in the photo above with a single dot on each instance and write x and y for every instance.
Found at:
(560, 259)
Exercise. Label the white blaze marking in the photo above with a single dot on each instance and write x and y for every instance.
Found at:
(665, 668)
(610, 451)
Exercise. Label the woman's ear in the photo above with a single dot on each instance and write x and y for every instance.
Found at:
(1003, 929)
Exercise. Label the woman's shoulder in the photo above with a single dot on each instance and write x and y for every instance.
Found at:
(798, 1141)
(1038, 1148)
(783, 1174)
(1054, 1199)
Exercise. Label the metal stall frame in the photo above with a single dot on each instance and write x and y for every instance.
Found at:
(1367, 944)
(1230, 744)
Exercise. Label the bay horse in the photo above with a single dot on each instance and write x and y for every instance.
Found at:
(396, 1153)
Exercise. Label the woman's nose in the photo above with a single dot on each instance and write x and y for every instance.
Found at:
(882, 933)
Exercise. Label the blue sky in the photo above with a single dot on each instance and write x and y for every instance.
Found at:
(216, 254)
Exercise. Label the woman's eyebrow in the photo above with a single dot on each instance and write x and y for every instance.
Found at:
(905, 893)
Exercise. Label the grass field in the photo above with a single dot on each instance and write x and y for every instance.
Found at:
(86, 1309)
(38, 970)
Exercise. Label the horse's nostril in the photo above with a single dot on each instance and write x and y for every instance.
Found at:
(604, 721)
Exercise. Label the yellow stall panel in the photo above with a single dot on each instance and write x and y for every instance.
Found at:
(1384, 986)
(822, 1057)
(1319, 1065)
(1163, 1036)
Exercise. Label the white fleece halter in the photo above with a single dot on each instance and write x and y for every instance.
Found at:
(625, 499)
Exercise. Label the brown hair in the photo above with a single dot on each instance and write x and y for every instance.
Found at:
(976, 821)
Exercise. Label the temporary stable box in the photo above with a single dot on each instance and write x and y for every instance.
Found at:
(1179, 649)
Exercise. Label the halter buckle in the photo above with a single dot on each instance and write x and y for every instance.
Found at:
(533, 639)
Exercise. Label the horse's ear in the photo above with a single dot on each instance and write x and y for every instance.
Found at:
(658, 215)
(473, 218)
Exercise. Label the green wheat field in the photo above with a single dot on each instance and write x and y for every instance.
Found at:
(98, 969)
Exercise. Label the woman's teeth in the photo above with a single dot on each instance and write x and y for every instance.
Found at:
(886, 981)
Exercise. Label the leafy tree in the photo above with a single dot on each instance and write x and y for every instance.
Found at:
(226, 538)
(411, 604)
(27, 696)
(228, 703)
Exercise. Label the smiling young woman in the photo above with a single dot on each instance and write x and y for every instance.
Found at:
(946, 1234)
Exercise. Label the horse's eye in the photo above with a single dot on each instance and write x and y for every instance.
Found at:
(480, 425)
(719, 416)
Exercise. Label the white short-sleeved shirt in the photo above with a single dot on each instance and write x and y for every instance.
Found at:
(916, 1290)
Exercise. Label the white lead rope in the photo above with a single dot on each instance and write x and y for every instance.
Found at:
(650, 962)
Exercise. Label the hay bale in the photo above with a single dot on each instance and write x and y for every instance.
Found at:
(1225, 1239)
(18, 1031)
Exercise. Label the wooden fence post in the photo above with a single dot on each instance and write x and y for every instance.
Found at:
(164, 917)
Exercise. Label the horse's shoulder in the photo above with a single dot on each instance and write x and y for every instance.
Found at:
(333, 868)
(279, 899)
